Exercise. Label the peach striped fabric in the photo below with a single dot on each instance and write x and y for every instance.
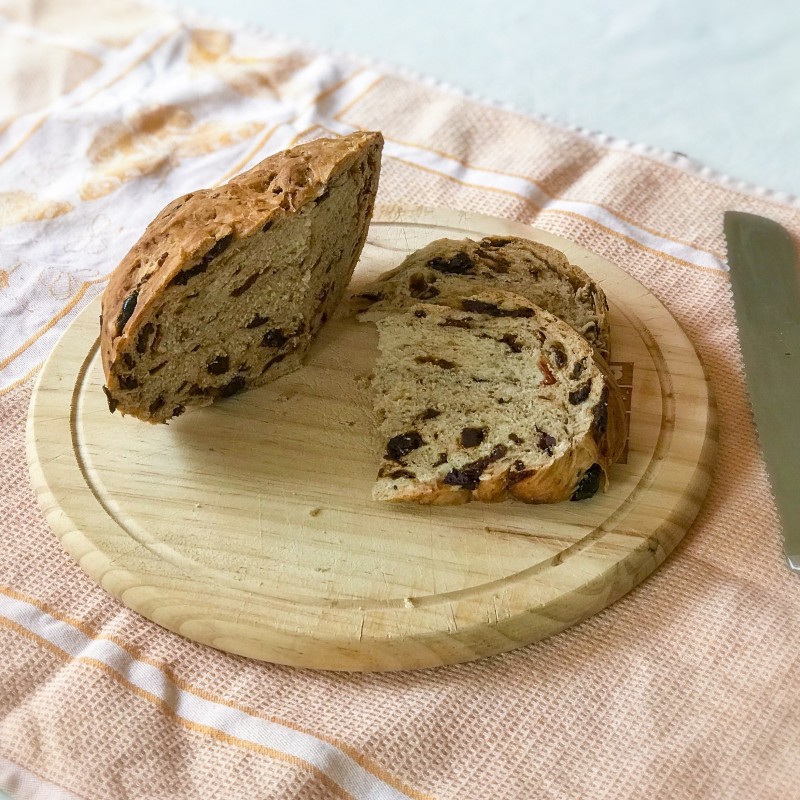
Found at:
(685, 688)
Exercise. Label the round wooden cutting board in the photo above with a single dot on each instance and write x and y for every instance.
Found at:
(249, 526)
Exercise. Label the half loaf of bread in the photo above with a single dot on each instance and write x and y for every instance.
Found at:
(227, 287)
(447, 270)
(498, 398)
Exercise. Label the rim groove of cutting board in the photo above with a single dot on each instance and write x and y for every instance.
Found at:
(248, 526)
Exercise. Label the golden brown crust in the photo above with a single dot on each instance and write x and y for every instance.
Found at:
(191, 225)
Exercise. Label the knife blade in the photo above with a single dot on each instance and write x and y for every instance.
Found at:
(766, 297)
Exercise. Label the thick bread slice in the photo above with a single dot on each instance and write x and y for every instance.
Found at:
(498, 398)
(227, 287)
(446, 270)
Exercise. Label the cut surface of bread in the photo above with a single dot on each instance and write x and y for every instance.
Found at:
(447, 270)
(227, 287)
(495, 399)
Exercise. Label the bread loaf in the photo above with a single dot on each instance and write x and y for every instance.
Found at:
(447, 270)
(498, 398)
(227, 287)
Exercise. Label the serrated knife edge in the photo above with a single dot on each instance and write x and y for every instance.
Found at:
(765, 282)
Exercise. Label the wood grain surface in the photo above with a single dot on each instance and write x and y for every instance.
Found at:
(248, 526)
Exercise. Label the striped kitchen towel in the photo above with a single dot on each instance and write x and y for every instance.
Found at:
(685, 688)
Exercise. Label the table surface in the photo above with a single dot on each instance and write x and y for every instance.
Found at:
(705, 79)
